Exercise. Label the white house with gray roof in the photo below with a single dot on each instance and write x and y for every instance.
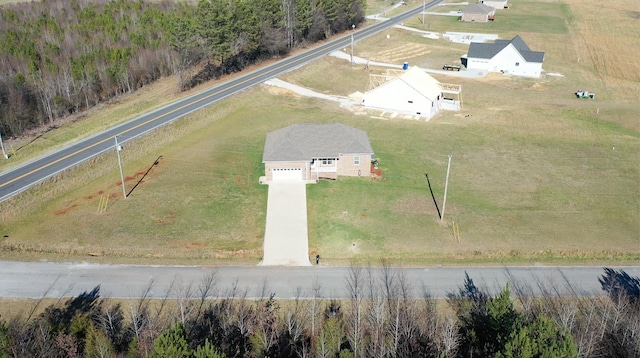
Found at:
(308, 152)
(496, 4)
(511, 57)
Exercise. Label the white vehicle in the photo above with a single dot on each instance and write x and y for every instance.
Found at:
(585, 94)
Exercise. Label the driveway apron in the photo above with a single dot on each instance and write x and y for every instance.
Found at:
(286, 241)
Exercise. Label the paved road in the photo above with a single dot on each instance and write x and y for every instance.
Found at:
(27, 175)
(35, 280)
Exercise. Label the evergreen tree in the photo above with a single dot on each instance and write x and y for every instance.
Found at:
(207, 350)
(502, 320)
(217, 27)
(172, 343)
(540, 338)
(5, 341)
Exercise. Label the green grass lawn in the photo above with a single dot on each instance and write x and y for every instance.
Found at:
(526, 184)
(536, 176)
(523, 17)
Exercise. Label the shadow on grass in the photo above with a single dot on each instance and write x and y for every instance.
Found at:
(156, 162)
(433, 196)
(36, 138)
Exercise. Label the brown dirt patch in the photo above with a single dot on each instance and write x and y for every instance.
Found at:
(66, 210)
(278, 91)
(194, 245)
(397, 54)
(168, 219)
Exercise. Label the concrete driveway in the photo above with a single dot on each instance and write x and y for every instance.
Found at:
(286, 241)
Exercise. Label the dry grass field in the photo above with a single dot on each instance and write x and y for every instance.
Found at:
(538, 176)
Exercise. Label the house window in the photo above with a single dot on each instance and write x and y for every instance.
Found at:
(356, 160)
(327, 161)
(517, 63)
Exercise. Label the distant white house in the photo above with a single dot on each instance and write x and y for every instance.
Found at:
(511, 57)
(496, 4)
(412, 92)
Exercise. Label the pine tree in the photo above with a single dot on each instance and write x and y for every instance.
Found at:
(172, 343)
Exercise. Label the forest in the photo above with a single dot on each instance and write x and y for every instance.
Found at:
(59, 57)
(377, 320)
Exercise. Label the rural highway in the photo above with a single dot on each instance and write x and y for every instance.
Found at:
(56, 280)
(19, 179)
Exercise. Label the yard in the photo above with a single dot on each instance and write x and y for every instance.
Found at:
(537, 175)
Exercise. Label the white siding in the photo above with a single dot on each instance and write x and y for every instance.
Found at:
(496, 4)
(511, 62)
(508, 61)
(287, 174)
(478, 64)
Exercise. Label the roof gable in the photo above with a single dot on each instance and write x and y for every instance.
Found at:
(485, 50)
(519, 44)
(303, 142)
(489, 50)
(416, 79)
(419, 80)
(479, 9)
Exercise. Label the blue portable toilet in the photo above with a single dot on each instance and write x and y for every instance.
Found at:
(405, 66)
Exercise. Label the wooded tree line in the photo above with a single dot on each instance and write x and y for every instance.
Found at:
(378, 320)
(58, 57)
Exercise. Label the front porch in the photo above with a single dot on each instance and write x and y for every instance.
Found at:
(324, 168)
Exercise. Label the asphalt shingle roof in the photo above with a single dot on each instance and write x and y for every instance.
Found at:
(485, 50)
(478, 9)
(303, 142)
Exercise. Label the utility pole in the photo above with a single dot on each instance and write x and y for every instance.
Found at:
(353, 27)
(446, 184)
(2, 145)
(424, 3)
(118, 149)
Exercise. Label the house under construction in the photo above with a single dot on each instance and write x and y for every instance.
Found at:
(412, 92)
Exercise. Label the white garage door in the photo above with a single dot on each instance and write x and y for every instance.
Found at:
(287, 174)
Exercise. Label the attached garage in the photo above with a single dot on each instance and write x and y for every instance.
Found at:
(286, 174)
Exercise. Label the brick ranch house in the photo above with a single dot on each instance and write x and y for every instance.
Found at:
(478, 13)
(310, 152)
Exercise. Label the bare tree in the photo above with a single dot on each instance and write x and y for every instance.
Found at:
(293, 318)
(289, 15)
(191, 301)
(265, 333)
(448, 337)
(140, 319)
(355, 286)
